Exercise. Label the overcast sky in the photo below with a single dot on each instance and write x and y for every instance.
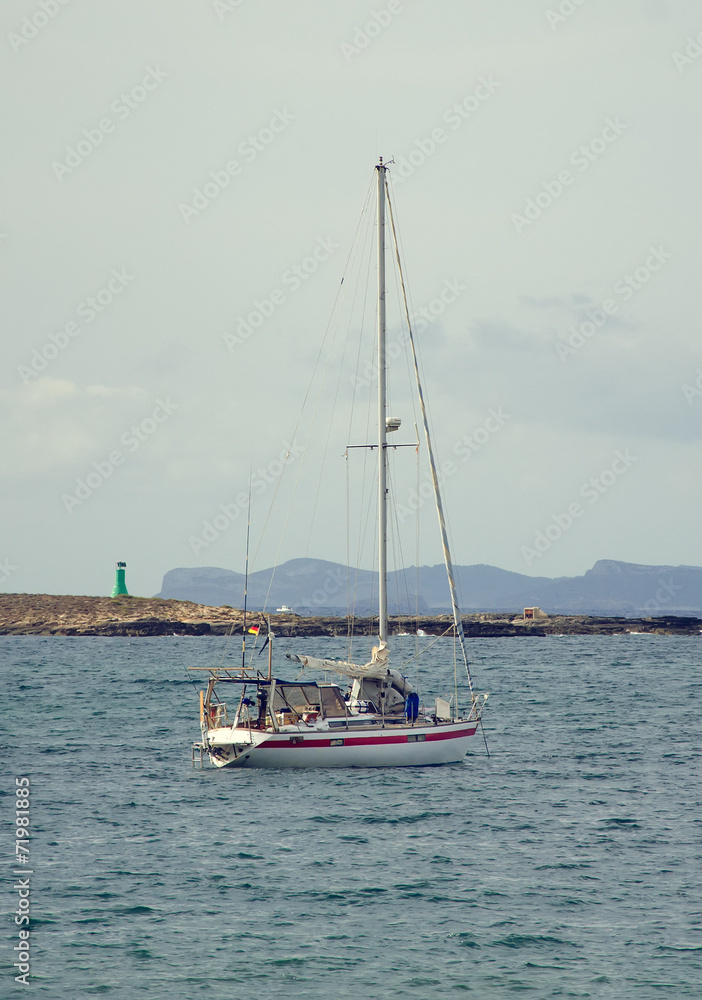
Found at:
(170, 164)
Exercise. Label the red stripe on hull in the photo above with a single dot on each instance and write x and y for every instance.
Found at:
(353, 741)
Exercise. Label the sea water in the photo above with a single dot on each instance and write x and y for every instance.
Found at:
(567, 863)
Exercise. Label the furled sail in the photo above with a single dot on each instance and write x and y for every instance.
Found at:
(376, 667)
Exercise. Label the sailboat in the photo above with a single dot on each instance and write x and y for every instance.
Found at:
(374, 717)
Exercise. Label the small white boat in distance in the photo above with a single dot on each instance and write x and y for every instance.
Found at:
(285, 610)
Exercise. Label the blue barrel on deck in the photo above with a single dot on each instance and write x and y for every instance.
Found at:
(412, 707)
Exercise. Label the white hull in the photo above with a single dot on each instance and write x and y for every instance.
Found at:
(392, 746)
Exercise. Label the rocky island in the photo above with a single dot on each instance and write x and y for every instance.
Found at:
(49, 614)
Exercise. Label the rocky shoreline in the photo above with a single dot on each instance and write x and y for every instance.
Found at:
(49, 614)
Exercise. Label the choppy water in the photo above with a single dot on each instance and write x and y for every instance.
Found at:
(568, 864)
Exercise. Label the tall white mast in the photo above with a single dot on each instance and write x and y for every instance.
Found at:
(382, 466)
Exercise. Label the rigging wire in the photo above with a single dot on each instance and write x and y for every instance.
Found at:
(368, 518)
(401, 586)
(362, 378)
(349, 625)
(358, 381)
(330, 426)
(458, 622)
(333, 318)
(417, 524)
(246, 575)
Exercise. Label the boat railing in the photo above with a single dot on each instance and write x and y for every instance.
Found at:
(218, 715)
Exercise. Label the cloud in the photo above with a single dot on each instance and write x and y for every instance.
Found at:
(113, 392)
(45, 392)
(52, 424)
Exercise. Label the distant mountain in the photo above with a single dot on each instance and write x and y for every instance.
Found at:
(309, 586)
(315, 586)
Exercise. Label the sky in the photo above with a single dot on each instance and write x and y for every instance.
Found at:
(183, 182)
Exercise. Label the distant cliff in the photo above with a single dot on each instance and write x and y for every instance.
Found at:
(314, 586)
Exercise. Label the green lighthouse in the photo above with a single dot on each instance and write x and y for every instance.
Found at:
(120, 586)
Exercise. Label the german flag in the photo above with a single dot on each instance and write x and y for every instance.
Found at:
(254, 630)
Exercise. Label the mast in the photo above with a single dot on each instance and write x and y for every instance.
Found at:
(382, 460)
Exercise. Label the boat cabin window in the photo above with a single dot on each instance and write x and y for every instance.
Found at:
(333, 705)
(302, 698)
(297, 698)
